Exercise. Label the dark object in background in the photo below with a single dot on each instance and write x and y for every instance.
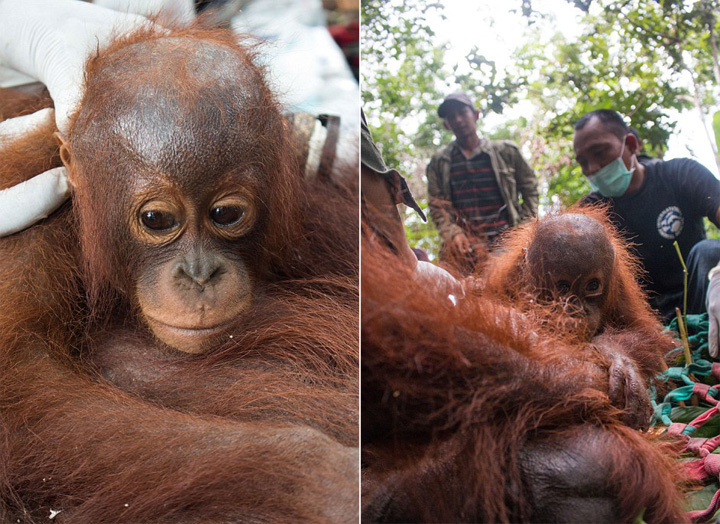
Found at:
(347, 36)
(219, 12)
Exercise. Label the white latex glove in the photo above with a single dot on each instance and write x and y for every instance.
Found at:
(167, 11)
(26, 203)
(712, 302)
(50, 40)
(15, 128)
(33, 200)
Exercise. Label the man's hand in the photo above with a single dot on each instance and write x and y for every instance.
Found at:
(164, 11)
(460, 245)
(712, 302)
(26, 203)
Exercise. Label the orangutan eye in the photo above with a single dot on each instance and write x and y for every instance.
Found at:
(563, 287)
(158, 220)
(226, 215)
(593, 285)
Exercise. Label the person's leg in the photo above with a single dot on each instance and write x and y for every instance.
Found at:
(702, 258)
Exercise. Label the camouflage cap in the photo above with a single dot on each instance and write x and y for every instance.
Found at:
(371, 158)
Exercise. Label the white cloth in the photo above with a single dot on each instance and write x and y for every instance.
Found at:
(712, 301)
(50, 40)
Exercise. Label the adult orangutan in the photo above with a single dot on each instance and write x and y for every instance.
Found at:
(577, 264)
(476, 413)
(473, 411)
(178, 342)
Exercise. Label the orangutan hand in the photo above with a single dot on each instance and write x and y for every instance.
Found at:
(627, 389)
(460, 245)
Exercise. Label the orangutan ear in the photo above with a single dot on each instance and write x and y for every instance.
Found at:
(66, 158)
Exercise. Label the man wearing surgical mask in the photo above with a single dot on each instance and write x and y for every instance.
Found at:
(653, 205)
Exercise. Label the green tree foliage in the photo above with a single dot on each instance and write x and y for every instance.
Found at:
(403, 79)
(643, 58)
(604, 68)
(401, 66)
(633, 56)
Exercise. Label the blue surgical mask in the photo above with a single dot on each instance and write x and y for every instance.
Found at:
(613, 179)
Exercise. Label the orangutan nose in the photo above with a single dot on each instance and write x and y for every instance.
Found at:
(199, 268)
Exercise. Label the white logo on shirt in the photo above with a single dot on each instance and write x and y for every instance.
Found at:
(670, 222)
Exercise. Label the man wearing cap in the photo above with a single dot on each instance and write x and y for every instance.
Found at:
(477, 187)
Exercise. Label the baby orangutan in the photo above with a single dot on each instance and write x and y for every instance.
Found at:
(576, 264)
(475, 412)
(178, 342)
(571, 260)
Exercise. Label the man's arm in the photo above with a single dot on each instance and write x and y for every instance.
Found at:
(525, 180)
(699, 188)
(702, 188)
(527, 186)
(441, 211)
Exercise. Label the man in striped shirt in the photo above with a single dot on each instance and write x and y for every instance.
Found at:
(477, 187)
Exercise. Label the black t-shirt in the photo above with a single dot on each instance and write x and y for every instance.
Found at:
(670, 205)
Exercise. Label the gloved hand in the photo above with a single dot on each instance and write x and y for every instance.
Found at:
(24, 204)
(50, 40)
(712, 303)
(165, 11)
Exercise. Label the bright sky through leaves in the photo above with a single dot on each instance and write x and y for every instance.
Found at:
(497, 32)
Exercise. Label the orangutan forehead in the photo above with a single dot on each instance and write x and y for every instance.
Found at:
(176, 80)
(177, 61)
(572, 239)
(573, 228)
(160, 97)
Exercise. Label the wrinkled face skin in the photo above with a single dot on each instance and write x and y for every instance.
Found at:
(173, 181)
(571, 261)
(596, 146)
(461, 120)
(199, 284)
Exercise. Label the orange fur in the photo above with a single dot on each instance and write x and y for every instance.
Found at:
(456, 398)
(627, 316)
(98, 421)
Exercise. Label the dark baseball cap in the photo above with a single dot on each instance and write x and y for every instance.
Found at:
(454, 98)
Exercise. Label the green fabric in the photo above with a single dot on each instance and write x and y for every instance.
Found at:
(669, 411)
(697, 329)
